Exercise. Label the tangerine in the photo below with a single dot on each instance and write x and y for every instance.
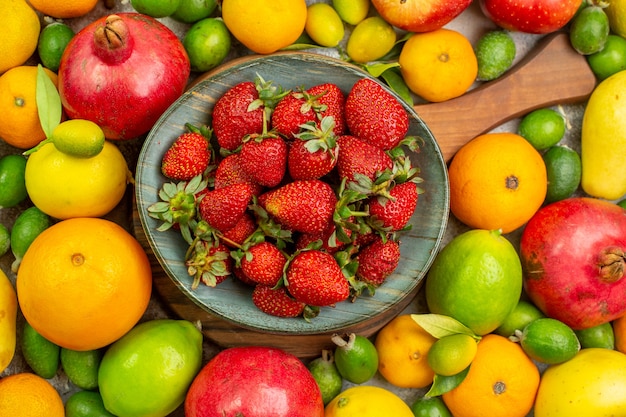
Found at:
(84, 282)
(64, 9)
(28, 395)
(497, 181)
(502, 381)
(20, 33)
(438, 65)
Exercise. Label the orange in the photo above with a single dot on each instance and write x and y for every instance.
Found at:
(502, 382)
(20, 33)
(265, 26)
(438, 65)
(19, 124)
(64, 9)
(497, 181)
(83, 283)
(403, 347)
(28, 395)
(619, 332)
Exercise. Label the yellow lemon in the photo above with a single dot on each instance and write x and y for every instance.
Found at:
(20, 33)
(367, 401)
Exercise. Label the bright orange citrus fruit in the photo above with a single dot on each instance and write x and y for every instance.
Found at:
(20, 33)
(497, 181)
(84, 282)
(29, 395)
(64, 9)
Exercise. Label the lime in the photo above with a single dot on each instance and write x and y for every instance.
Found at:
(28, 225)
(430, 407)
(542, 128)
(495, 52)
(191, 11)
(611, 59)
(81, 366)
(564, 171)
(589, 30)
(12, 183)
(86, 404)
(622, 203)
(207, 43)
(148, 371)
(548, 340)
(324, 25)
(352, 11)
(39, 353)
(52, 42)
(476, 279)
(326, 375)
(370, 40)
(356, 358)
(5, 239)
(523, 313)
(155, 8)
(600, 336)
(451, 354)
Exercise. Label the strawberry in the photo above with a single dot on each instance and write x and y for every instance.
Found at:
(305, 206)
(395, 212)
(315, 278)
(359, 157)
(276, 302)
(224, 207)
(313, 153)
(229, 172)
(378, 260)
(188, 156)
(209, 263)
(263, 263)
(333, 98)
(242, 230)
(375, 115)
(264, 159)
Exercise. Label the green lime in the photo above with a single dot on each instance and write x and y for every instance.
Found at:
(40, 354)
(155, 8)
(81, 367)
(523, 313)
(451, 354)
(370, 40)
(430, 407)
(564, 171)
(589, 30)
(549, 341)
(356, 358)
(28, 225)
(476, 279)
(600, 336)
(324, 25)
(326, 375)
(622, 204)
(52, 42)
(192, 11)
(611, 59)
(542, 128)
(12, 183)
(495, 52)
(352, 11)
(86, 404)
(5, 239)
(207, 43)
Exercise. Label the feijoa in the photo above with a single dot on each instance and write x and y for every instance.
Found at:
(589, 30)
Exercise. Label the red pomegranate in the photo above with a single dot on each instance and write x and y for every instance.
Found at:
(122, 72)
(572, 254)
(254, 381)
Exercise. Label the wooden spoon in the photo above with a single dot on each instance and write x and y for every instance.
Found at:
(552, 73)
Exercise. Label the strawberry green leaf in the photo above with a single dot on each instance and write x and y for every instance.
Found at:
(48, 102)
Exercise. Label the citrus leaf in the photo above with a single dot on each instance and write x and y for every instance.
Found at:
(48, 102)
(442, 384)
(394, 80)
(376, 69)
(439, 325)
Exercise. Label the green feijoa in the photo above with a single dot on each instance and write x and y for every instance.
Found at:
(86, 404)
(81, 367)
(523, 313)
(543, 128)
(155, 8)
(28, 225)
(549, 341)
(52, 42)
(5, 239)
(589, 30)
(611, 59)
(207, 43)
(191, 11)
(42, 355)
(356, 358)
(600, 336)
(12, 183)
(564, 172)
(430, 407)
(326, 375)
(495, 53)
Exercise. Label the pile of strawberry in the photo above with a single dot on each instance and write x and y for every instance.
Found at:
(298, 193)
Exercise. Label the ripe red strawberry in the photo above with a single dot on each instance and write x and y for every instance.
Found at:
(229, 172)
(237, 235)
(209, 263)
(263, 263)
(315, 278)
(394, 213)
(374, 115)
(305, 206)
(313, 152)
(276, 302)
(187, 157)
(378, 260)
(264, 159)
(335, 101)
(223, 208)
(358, 156)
